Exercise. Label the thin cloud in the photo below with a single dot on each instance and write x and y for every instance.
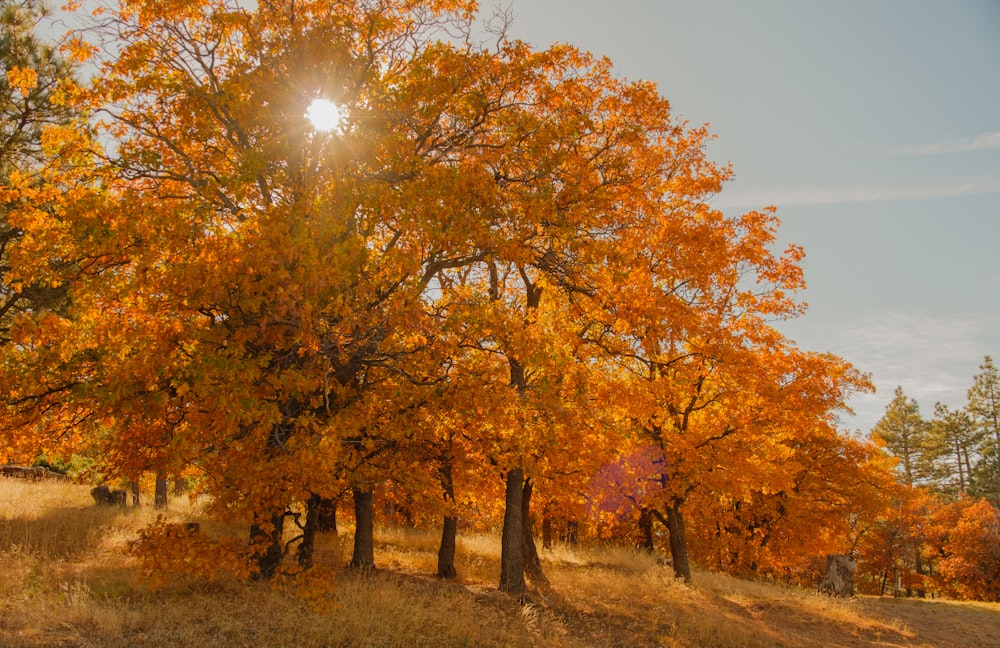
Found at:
(933, 358)
(812, 196)
(983, 142)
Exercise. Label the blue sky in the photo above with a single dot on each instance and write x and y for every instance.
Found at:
(874, 127)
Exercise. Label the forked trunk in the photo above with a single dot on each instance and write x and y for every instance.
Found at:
(512, 537)
(364, 529)
(326, 515)
(532, 563)
(267, 547)
(309, 528)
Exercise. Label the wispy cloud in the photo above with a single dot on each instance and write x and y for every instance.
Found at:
(982, 142)
(933, 358)
(819, 195)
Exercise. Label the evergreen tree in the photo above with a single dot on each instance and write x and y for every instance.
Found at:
(905, 434)
(984, 400)
(953, 448)
(984, 409)
(31, 71)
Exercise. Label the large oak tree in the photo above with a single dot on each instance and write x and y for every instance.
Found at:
(509, 241)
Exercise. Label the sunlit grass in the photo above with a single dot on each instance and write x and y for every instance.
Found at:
(68, 580)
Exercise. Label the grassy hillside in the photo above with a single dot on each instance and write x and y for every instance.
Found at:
(66, 579)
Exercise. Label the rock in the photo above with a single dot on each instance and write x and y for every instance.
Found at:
(104, 496)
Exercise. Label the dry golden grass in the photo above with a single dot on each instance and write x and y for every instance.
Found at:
(66, 580)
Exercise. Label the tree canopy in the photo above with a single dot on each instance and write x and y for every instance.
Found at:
(496, 281)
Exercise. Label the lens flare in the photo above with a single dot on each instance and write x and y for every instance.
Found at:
(324, 115)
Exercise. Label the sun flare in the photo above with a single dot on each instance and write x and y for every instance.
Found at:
(324, 115)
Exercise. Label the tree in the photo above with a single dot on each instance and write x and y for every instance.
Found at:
(986, 476)
(711, 383)
(276, 277)
(908, 437)
(892, 544)
(816, 498)
(953, 447)
(984, 409)
(283, 281)
(32, 75)
(44, 177)
(509, 241)
(905, 434)
(967, 543)
(984, 400)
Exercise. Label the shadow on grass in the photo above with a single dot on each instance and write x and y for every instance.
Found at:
(62, 532)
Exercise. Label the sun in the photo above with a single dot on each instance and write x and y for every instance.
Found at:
(324, 115)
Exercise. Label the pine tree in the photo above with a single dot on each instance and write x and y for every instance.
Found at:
(953, 448)
(984, 409)
(905, 434)
(31, 72)
(984, 400)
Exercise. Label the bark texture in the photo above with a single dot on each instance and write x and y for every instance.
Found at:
(839, 578)
(364, 531)
(532, 563)
(646, 528)
(446, 553)
(678, 542)
(512, 537)
(160, 491)
(449, 529)
(309, 528)
(268, 549)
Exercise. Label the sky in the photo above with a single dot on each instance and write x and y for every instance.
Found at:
(874, 127)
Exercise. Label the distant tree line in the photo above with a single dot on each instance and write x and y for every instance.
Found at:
(943, 530)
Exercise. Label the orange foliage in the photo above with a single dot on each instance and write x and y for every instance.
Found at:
(167, 551)
(966, 539)
(505, 259)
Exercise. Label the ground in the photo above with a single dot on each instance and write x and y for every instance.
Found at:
(69, 580)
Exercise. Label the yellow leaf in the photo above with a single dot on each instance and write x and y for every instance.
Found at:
(24, 79)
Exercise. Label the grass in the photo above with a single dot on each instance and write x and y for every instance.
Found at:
(66, 579)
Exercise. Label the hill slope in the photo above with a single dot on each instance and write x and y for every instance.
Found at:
(68, 581)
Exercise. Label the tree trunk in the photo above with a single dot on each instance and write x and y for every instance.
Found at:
(839, 578)
(646, 527)
(512, 537)
(134, 487)
(678, 542)
(532, 563)
(327, 515)
(961, 468)
(179, 487)
(446, 552)
(547, 532)
(572, 532)
(364, 529)
(160, 492)
(308, 544)
(267, 547)
(919, 568)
